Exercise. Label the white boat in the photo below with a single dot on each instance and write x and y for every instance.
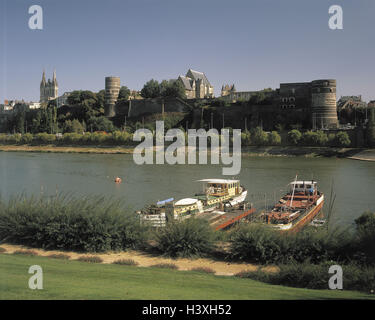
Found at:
(216, 194)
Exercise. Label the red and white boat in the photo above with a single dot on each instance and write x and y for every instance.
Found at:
(296, 208)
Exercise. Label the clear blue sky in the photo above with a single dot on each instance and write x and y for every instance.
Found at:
(254, 44)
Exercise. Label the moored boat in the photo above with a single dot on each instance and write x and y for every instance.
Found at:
(297, 207)
(216, 197)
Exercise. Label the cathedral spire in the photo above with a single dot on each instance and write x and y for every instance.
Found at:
(43, 79)
(54, 80)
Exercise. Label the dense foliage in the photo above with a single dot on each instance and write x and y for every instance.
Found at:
(191, 237)
(260, 244)
(312, 276)
(80, 224)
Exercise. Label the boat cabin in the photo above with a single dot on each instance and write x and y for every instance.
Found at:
(220, 187)
(305, 186)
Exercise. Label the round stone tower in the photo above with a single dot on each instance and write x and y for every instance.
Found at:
(323, 104)
(112, 90)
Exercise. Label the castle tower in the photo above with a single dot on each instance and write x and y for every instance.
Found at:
(112, 90)
(323, 103)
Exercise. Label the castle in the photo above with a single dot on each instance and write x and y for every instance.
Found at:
(196, 85)
(48, 89)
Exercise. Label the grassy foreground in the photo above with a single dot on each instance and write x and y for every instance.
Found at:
(80, 280)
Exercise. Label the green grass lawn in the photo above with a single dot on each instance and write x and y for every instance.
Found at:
(81, 280)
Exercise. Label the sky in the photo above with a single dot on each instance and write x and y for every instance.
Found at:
(253, 44)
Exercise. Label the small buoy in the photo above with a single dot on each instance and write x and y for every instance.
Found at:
(118, 180)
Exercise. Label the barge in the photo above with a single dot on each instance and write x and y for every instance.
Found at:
(296, 208)
(221, 202)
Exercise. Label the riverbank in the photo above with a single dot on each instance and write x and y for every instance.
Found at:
(144, 259)
(264, 151)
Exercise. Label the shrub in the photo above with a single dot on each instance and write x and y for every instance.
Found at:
(274, 139)
(294, 136)
(245, 138)
(26, 252)
(203, 269)
(91, 259)
(72, 138)
(67, 223)
(256, 243)
(259, 137)
(365, 227)
(306, 275)
(190, 237)
(73, 126)
(342, 139)
(27, 138)
(2, 250)
(126, 262)
(317, 138)
(165, 265)
(261, 244)
(59, 256)
(45, 138)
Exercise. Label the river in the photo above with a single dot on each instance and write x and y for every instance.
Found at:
(266, 178)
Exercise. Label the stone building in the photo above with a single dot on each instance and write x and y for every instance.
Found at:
(351, 102)
(196, 85)
(316, 98)
(48, 89)
(227, 89)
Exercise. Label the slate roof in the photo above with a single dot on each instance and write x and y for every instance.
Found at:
(198, 75)
(186, 82)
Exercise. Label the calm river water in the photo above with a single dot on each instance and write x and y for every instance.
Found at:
(93, 174)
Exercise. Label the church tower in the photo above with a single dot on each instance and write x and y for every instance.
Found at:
(48, 89)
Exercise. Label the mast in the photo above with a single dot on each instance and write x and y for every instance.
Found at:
(294, 186)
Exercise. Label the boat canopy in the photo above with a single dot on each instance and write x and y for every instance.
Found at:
(303, 182)
(186, 202)
(223, 181)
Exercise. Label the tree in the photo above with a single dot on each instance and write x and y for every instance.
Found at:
(151, 89)
(172, 88)
(73, 126)
(342, 139)
(100, 124)
(123, 94)
(259, 137)
(294, 136)
(274, 138)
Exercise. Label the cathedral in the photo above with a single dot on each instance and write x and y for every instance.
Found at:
(48, 89)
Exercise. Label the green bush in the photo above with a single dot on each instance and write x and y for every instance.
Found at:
(245, 138)
(263, 245)
(27, 138)
(365, 226)
(259, 137)
(341, 139)
(274, 139)
(2, 250)
(315, 138)
(190, 237)
(256, 243)
(67, 223)
(45, 138)
(294, 137)
(306, 275)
